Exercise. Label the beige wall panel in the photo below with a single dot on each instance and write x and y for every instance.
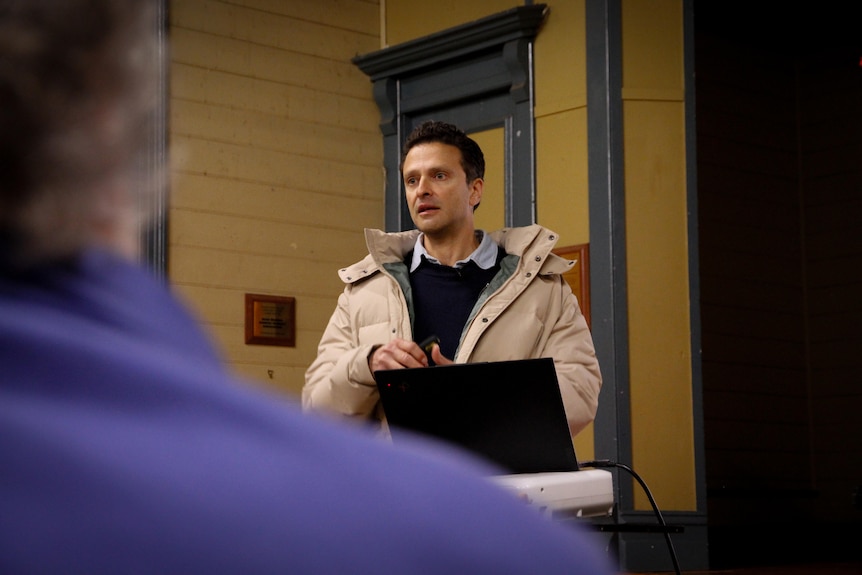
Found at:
(562, 194)
(197, 265)
(252, 200)
(409, 19)
(357, 15)
(284, 31)
(270, 375)
(232, 340)
(228, 160)
(288, 364)
(266, 131)
(560, 68)
(264, 62)
(293, 102)
(256, 236)
(658, 288)
(224, 304)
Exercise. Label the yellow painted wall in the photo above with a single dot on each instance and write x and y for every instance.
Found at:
(276, 164)
(656, 250)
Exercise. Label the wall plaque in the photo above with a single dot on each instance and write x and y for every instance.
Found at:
(270, 320)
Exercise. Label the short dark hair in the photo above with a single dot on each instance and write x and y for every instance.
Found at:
(429, 131)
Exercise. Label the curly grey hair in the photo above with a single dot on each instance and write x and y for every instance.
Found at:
(77, 87)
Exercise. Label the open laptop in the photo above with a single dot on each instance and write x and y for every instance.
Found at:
(509, 412)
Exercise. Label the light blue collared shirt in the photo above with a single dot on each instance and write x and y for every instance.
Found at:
(485, 255)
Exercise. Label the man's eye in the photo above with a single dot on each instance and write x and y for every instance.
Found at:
(440, 175)
(409, 181)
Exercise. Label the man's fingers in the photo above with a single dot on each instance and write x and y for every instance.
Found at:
(438, 356)
(400, 353)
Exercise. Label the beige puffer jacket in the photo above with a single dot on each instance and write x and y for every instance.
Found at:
(530, 313)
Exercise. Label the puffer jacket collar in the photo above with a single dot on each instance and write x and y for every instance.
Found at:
(383, 248)
(533, 244)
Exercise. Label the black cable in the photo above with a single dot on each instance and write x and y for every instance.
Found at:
(608, 463)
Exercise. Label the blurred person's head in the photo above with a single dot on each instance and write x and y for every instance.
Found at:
(78, 81)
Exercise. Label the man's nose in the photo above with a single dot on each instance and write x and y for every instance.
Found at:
(423, 188)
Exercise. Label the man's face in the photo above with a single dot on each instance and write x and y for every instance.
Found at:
(440, 199)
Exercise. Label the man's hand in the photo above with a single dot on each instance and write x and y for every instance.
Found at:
(396, 354)
(400, 353)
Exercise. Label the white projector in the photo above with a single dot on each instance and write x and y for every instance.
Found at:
(584, 493)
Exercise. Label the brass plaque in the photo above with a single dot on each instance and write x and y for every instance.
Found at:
(270, 320)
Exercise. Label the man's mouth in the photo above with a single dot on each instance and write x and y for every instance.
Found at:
(423, 209)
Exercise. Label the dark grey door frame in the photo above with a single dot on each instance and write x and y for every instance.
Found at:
(608, 289)
(636, 547)
(478, 76)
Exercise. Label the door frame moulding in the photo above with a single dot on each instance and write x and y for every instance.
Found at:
(477, 75)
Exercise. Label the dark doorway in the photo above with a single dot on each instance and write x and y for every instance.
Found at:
(779, 163)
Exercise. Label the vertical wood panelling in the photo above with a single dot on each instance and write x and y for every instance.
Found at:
(276, 161)
(751, 272)
(779, 141)
(831, 149)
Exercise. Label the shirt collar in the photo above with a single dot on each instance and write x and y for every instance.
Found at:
(485, 256)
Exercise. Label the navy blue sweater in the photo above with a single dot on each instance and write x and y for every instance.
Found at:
(443, 298)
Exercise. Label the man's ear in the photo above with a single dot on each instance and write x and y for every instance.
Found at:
(477, 186)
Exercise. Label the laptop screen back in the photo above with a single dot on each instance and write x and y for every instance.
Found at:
(508, 412)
